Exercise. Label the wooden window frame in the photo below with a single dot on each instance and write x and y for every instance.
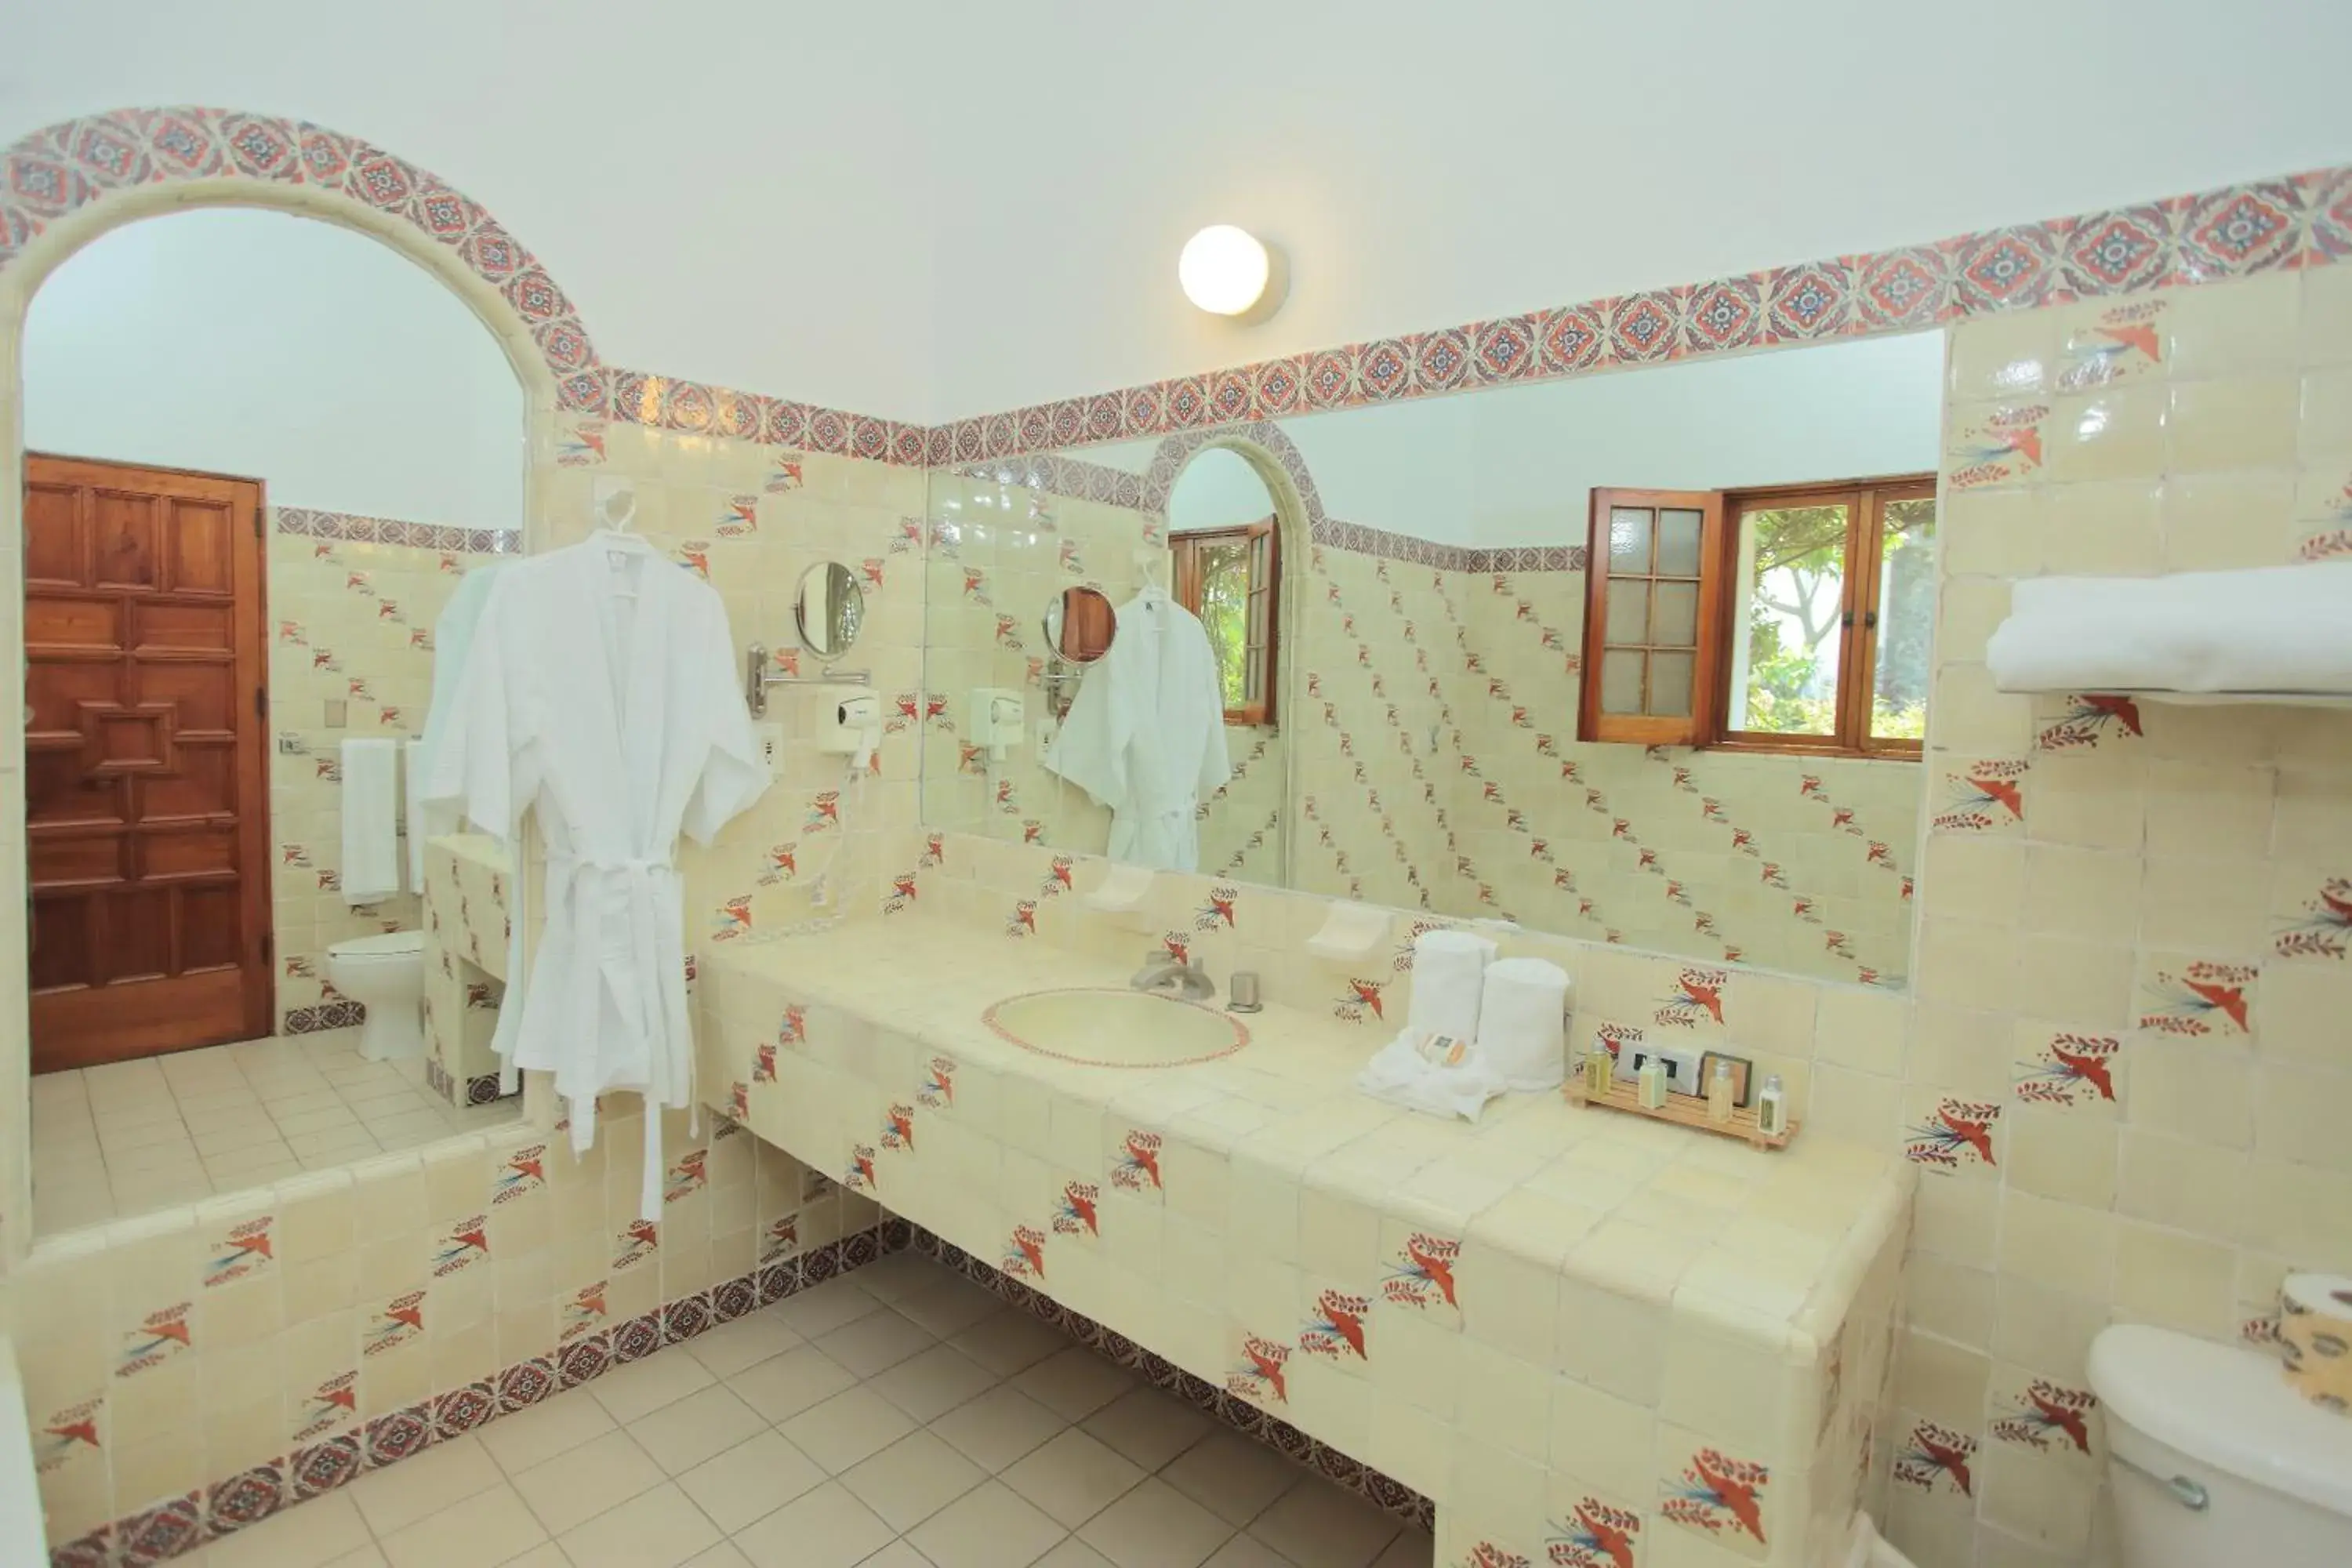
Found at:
(1722, 512)
(1642, 729)
(1265, 582)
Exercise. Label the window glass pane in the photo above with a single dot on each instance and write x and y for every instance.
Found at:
(1906, 618)
(1790, 585)
(1673, 620)
(1629, 610)
(1671, 675)
(1620, 681)
(1679, 543)
(1629, 539)
(1224, 610)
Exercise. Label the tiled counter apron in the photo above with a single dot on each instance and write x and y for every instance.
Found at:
(1589, 1339)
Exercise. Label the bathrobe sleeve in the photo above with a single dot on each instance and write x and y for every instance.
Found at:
(1091, 750)
(484, 761)
(733, 774)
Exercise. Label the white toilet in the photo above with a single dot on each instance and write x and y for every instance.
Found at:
(385, 975)
(2213, 1459)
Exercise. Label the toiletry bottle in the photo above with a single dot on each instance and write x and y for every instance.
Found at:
(1771, 1107)
(1600, 1067)
(1720, 1092)
(1653, 1081)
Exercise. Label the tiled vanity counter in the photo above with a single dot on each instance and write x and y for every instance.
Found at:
(1589, 1339)
(467, 911)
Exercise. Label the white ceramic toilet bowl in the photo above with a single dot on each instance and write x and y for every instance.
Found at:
(385, 975)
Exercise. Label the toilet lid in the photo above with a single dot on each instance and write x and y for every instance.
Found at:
(2229, 1408)
(390, 944)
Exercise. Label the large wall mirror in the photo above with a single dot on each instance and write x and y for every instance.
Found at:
(264, 453)
(1637, 657)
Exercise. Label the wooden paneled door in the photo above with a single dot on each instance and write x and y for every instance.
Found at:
(146, 761)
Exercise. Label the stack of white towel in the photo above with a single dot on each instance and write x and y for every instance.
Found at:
(1476, 1027)
(2277, 632)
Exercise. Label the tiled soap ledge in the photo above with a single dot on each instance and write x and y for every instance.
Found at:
(1162, 1374)
(182, 1524)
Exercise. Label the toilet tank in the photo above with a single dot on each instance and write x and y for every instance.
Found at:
(2213, 1459)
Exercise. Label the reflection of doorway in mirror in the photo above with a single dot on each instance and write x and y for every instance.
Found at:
(264, 654)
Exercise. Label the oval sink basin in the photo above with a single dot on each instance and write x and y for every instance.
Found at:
(1102, 1027)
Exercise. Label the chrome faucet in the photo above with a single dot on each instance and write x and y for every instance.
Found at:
(1162, 971)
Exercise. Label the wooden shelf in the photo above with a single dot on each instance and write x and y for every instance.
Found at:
(1683, 1110)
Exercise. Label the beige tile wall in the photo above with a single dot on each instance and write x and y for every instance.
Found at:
(2127, 1068)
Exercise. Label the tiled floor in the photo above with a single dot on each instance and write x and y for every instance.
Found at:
(898, 1418)
(120, 1140)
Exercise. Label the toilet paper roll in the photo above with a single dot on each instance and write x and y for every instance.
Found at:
(2316, 1332)
(1523, 1022)
(1449, 971)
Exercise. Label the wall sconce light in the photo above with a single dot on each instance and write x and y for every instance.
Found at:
(1229, 271)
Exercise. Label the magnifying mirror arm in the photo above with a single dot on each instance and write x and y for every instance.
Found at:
(759, 675)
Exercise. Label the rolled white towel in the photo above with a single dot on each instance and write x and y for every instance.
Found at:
(1522, 1022)
(1449, 970)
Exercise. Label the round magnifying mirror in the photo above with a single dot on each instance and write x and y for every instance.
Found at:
(829, 609)
(1078, 626)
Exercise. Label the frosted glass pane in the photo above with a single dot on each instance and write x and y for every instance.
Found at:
(1679, 543)
(1620, 681)
(1674, 623)
(1907, 611)
(1671, 675)
(1629, 539)
(1629, 611)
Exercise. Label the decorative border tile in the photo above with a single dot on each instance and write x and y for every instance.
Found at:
(1243, 1417)
(2301, 220)
(351, 527)
(64, 167)
(182, 1523)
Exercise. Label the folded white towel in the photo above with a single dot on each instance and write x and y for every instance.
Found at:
(2270, 631)
(1406, 1072)
(1523, 1022)
(371, 820)
(1449, 969)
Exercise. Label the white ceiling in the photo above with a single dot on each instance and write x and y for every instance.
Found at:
(928, 210)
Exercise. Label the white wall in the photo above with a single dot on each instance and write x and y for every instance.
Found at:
(254, 343)
(1218, 488)
(927, 211)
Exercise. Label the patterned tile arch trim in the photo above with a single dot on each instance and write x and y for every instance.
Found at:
(65, 167)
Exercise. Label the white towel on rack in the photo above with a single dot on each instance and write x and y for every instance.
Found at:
(1523, 1022)
(2267, 631)
(371, 820)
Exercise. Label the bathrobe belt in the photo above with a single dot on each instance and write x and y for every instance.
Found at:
(647, 991)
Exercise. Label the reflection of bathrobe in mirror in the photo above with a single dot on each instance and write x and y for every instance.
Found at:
(601, 690)
(1146, 735)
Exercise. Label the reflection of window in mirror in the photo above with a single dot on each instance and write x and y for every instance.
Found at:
(1083, 631)
(1794, 619)
(1230, 578)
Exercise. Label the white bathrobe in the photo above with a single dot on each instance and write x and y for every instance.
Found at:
(601, 688)
(1146, 735)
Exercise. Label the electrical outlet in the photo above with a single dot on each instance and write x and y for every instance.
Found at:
(771, 738)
